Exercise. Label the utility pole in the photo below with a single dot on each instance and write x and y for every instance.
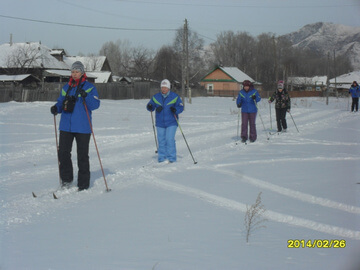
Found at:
(328, 80)
(276, 62)
(187, 60)
(183, 64)
(336, 91)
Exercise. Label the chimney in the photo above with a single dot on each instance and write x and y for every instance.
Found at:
(11, 40)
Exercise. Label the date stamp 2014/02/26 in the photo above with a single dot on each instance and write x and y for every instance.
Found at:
(316, 243)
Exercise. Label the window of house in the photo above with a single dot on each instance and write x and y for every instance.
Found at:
(210, 88)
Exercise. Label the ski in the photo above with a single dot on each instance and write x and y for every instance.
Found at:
(241, 142)
(35, 196)
(54, 194)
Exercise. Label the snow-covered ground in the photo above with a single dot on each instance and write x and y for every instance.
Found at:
(183, 215)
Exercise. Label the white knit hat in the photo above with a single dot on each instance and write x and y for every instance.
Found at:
(165, 83)
(280, 84)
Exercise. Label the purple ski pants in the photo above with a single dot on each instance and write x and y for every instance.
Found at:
(248, 119)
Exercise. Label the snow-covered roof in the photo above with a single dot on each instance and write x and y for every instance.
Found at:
(345, 80)
(34, 54)
(15, 78)
(101, 77)
(93, 63)
(59, 72)
(317, 80)
(236, 74)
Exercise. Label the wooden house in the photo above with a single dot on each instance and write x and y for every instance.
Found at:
(224, 81)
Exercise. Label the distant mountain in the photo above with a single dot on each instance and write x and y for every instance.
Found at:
(327, 37)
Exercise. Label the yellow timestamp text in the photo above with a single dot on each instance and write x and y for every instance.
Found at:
(316, 243)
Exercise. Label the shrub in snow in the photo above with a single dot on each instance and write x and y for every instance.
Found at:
(253, 217)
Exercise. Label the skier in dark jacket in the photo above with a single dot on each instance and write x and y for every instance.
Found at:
(167, 105)
(355, 94)
(74, 124)
(247, 100)
(282, 105)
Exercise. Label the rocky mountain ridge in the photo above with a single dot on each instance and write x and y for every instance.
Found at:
(326, 38)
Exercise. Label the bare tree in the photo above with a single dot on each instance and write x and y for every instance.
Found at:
(266, 60)
(167, 64)
(197, 66)
(119, 56)
(234, 50)
(24, 58)
(142, 60)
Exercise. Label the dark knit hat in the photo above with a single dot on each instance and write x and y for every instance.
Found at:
(78, 66)
(246, 83)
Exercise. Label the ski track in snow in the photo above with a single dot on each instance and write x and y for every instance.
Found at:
(271, 215)
(23, 208)
(289, 192)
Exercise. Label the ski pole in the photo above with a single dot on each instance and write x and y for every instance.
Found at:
(156, 143)
(97, 150)
(184, 139)
(294, 122)
(261, 119)
(238, 126)
(57, 148)
(270, 116)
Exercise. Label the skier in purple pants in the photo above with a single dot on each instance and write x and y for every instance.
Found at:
(247, 100)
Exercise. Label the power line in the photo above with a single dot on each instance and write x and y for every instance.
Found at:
(89, 26)
(222, 5)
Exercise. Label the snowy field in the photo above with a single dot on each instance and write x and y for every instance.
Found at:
(184, 215)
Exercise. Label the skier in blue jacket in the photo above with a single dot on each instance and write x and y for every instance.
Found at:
(167, 105)
(74, 124)
(247, 100)
(355, 94)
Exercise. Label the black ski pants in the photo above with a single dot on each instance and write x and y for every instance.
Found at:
(355, 104)
(281, 118)
(66, 167)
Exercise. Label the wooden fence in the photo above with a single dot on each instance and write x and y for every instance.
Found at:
(116, 91)
(51, 91)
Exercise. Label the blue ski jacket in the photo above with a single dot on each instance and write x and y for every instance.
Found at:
(246, 101)
(77, 121)
(354, 91)
(165, 118)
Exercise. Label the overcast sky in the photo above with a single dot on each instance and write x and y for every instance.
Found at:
(152, 23)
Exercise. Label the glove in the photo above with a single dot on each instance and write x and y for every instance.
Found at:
(159, 109)
(238, 105)
(53, 110)
(150, 107)
(83, 94)
(173, 109)
(253, 97)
